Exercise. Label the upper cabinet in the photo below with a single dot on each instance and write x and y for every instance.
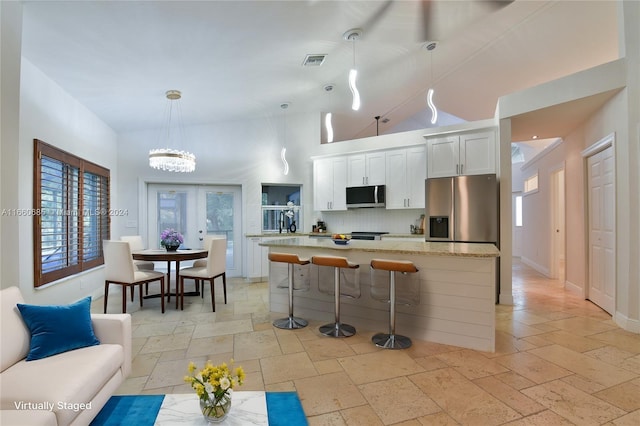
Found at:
(366, 169)
(463, 154)
(406, 171)
(330, 184)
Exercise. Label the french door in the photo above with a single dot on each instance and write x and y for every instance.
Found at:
(196, 211)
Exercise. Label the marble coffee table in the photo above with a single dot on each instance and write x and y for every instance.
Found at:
(247, 408)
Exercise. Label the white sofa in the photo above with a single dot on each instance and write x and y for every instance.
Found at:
(75, 384)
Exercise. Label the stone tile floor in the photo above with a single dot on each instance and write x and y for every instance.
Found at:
(559, 360)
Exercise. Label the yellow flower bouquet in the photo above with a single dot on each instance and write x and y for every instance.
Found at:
(213, 385)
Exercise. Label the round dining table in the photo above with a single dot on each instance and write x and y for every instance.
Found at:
(162, 255)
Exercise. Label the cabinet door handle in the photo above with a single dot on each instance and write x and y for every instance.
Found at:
(457, 169)
(408, 202)
(461, 167)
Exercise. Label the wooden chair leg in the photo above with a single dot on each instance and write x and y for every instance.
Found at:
(213, 297)
(177, 292)
(201, 288)
(181, 293)
(224, 286)
(124, 288)
(106, 295)
(124, 299)
(140, 288)
(162, 293)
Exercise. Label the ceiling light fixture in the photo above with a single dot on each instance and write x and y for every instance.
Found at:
(169, 159)
(430, 46)
(283, 151)
(353, 35)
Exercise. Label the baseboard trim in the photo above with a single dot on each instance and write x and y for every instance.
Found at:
(574, 288)
(505, 299)
(530, 263)
(626, 323)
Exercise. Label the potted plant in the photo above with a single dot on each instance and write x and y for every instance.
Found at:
(171, 239)
(213, 385)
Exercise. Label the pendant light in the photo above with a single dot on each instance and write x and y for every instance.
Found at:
(283, 151)
(329, 127)
(430, 46)
(328, 117)
(170, 159)
(353, 35)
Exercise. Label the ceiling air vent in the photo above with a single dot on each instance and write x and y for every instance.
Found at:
(314, 60)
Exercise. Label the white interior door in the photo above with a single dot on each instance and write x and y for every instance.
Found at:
(194, 211)
(601, 205)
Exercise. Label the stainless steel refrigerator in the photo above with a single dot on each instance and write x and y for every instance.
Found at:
(462, 209)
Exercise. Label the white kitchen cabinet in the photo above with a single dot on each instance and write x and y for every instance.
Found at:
(366, 169)
(257, 260)
(330, 184)
(258, 256)
(406, 171)
(463, 154)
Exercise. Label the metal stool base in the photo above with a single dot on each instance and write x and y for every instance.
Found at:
(391, 341)
(290, 323)
(338, 330)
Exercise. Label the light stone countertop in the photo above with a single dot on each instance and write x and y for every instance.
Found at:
(400, 247)
(280, 235)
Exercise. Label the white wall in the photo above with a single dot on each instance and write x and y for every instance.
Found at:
(537, 221)
(50, 114)
(10, 45)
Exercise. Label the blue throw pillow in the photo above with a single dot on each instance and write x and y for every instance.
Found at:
(58, 328)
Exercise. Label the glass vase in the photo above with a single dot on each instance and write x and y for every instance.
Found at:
(216, 410)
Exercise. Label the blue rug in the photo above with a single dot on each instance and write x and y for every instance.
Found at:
(283, 409)
(129, 410)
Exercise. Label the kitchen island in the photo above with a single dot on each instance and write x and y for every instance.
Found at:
(453, 293)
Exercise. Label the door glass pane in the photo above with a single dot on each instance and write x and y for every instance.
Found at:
(172, 212)
(220, 220)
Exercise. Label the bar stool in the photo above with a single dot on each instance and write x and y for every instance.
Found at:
(336, 329)
(392, 340)
(290, 322)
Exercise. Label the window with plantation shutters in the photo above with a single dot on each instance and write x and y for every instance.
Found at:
(71, 205)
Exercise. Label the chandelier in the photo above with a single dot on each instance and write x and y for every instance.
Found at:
(169, 159)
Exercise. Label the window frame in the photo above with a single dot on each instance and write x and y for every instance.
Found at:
(77, 212)
(528, 184)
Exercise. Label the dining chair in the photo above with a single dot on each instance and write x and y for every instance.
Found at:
(215, 267)
(203, 262)
(136, 244)
(119, 269)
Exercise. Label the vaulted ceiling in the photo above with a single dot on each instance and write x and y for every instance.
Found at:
(239, 59)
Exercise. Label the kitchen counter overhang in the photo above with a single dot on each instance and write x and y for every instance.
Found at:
(456, 283)
(393, 247)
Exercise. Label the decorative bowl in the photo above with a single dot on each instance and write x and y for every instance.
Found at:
(341, 242)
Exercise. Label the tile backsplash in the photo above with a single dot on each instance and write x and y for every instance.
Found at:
(373, 219)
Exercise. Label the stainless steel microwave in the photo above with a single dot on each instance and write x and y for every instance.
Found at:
(365, 196)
